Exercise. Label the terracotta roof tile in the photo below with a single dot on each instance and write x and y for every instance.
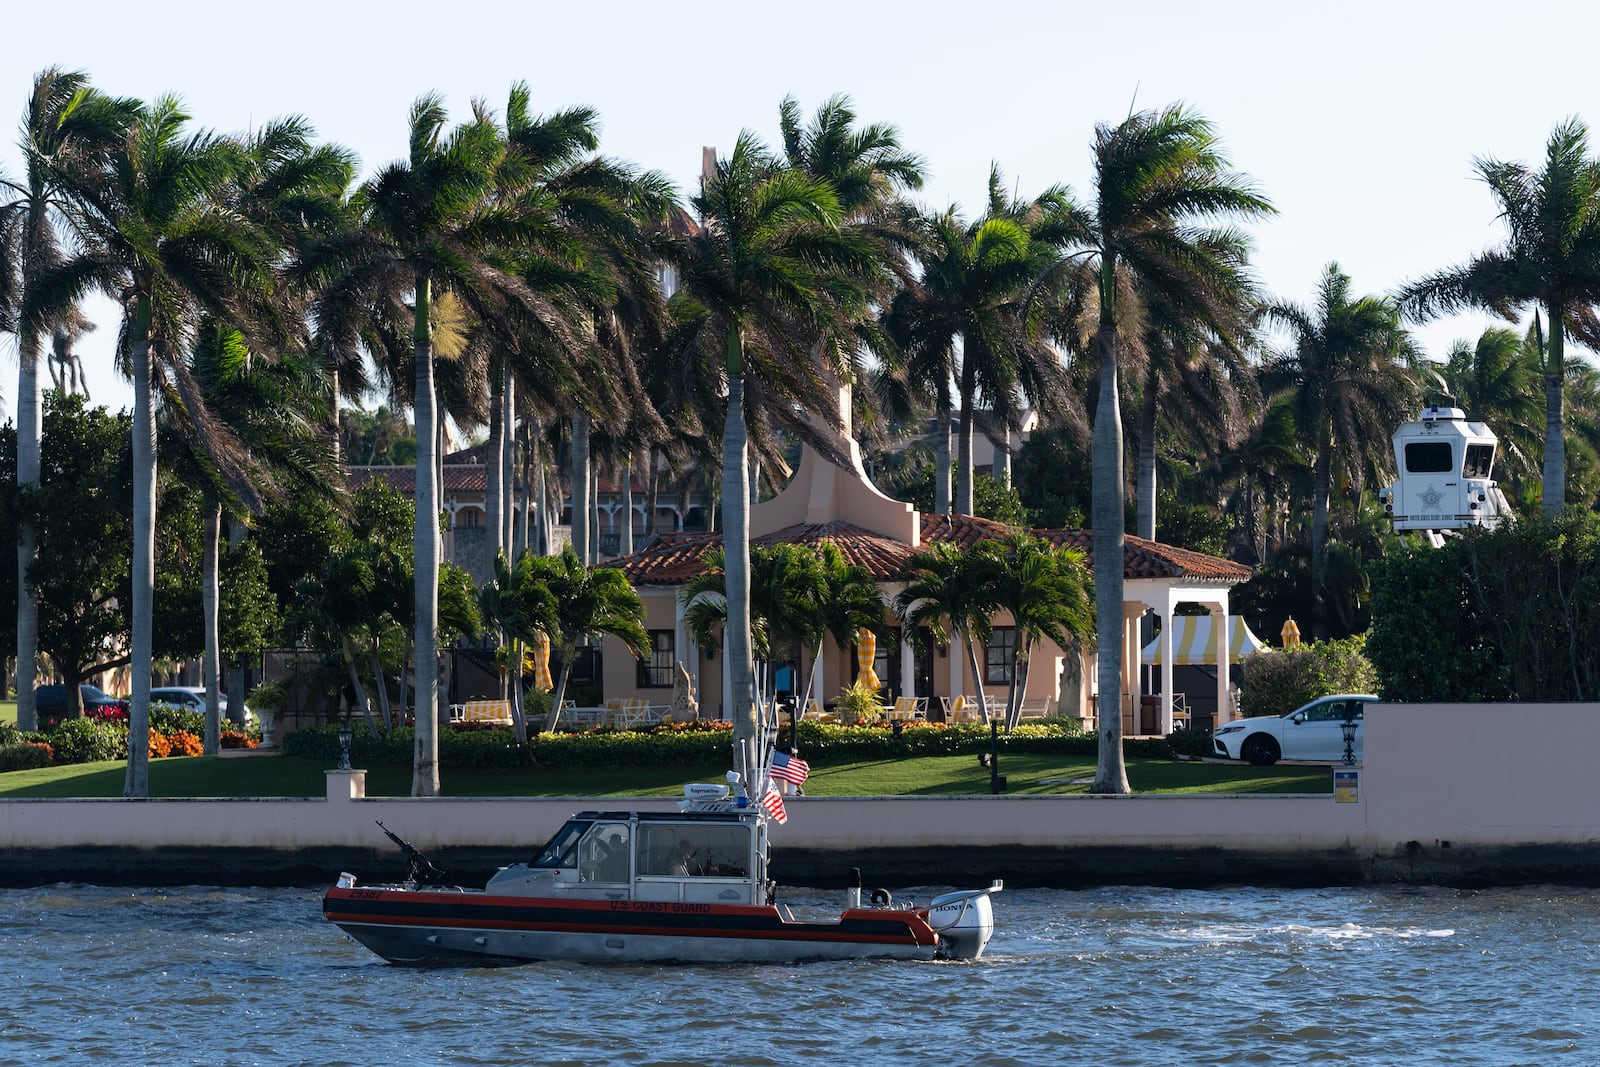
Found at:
(672, 559)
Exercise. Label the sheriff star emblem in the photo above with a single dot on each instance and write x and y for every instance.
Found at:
(1430, 498)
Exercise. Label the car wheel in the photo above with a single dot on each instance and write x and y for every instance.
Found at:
(1261, 751)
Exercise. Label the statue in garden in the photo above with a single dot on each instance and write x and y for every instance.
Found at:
(684, 705)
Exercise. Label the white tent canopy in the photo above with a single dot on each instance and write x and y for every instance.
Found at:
(1194, 641)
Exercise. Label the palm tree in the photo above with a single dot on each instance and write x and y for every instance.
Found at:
(1551, 259)
(952, 593)
(161, 236)
(432, 222)
(67, 126)
(768, 272)
(586, 604)
(1160, 178)
(1046, 592)
(1497, 381)
(1349, 376)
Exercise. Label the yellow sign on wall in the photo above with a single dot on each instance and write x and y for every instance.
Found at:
(1346, 787)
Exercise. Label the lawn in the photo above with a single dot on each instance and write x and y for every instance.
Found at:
(276, 776)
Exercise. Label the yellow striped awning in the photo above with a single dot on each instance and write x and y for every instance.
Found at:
(1194, 642)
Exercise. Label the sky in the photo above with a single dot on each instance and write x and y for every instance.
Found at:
(1360, 121)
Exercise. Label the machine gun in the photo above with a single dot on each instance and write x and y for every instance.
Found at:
(419, 869)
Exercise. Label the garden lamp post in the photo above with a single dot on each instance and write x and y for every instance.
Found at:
(1348, 728)
(346, 735)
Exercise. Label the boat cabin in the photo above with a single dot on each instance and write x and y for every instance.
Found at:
(1446, 467)
(709, 857)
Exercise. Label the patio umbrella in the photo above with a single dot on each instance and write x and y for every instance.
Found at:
(1290, 634)
(866, 653)
(541, 662)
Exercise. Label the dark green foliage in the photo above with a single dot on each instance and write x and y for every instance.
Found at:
(991, 498)
(26, 756)
(673, 746)
(1429, 638)
(89, 741)
(1191, 742)
(475, 748)
(1052, 480)
(1196, 527)
(1507, 615)
(1279, 682)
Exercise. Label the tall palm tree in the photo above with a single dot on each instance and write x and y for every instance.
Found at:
(1349, 376)
(431, 223)
(161, 236)
(768, 272)
(1161, 181)
(1551, 259)
(66, 127)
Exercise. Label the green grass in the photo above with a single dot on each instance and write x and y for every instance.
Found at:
(275, 776)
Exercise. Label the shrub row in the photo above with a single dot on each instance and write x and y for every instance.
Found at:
(174, 731)
(688, 745)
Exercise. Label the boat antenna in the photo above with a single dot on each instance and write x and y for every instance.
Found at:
(419, 868)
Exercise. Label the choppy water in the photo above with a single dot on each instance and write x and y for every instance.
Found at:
(1110, 976)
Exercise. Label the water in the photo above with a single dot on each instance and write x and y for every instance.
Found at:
(1106, 977)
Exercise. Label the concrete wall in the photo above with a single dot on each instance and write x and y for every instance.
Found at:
(1464, 794)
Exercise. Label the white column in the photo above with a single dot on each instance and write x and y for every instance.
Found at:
(1219, 620)
(1167, 655)
(957, 657)
(908, 666)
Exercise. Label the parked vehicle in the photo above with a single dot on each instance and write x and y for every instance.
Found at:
(191, 696)
(1309, 732)
(51, 703)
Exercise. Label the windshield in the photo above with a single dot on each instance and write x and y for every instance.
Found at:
(562, 850)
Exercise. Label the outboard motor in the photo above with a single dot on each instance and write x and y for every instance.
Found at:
(964, 921)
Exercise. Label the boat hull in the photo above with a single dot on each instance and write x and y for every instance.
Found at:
(407, 926)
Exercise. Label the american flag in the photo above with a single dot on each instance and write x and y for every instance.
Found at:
(774, 805)
(790, 769)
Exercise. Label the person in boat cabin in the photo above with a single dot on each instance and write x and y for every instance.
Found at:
(684, 863)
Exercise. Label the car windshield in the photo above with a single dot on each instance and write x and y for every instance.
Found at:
(88, 691)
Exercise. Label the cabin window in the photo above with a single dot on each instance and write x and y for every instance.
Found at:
(562, 851)
(676, 850)
(603, 855)
(655, 670)
(1429, 457)
(997, 655)
(1480, 461)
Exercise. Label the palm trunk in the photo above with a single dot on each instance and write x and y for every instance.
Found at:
(1321, 490)
(1111, 773)
(29, 434)
(964, 461)
(211, 664)
(1145, 526)
(1555, 442)
(558, 698)
(361, 697)
(494, 469)
(236, 666)
(738, 700)
(977, 671)
(540, 543)
(137, 783)
(941, 457)
(382, 685)
(425, 761)
(652, 490)
(508, 472)
(625, 531)
(580, 486)
(1002, 458)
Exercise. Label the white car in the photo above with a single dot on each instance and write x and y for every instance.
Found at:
(1311, 732)
(193, 697)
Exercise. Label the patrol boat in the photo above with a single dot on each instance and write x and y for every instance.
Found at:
(639, 886)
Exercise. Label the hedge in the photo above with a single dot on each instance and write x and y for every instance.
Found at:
(700, 744)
